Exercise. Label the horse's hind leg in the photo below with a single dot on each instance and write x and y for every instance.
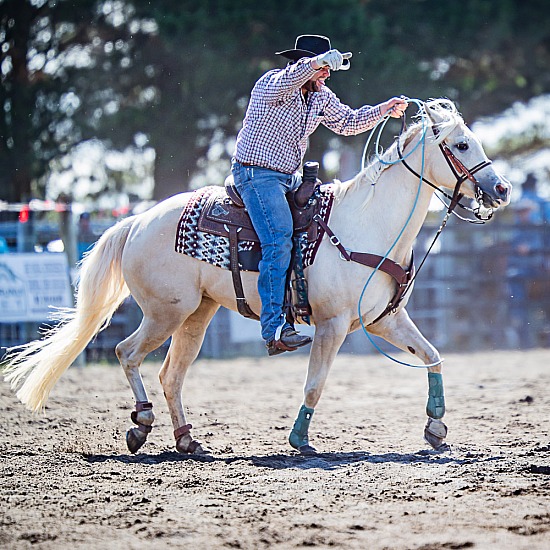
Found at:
(400, 331)
(185, 346)
(153, 331)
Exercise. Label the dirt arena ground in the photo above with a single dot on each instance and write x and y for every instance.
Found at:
(68, 480)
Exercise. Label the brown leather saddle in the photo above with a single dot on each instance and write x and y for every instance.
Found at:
(227, 217)
(220, 216)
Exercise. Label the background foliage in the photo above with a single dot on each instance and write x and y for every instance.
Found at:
(175, 75)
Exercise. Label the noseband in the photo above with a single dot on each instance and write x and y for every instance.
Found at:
(461, 173)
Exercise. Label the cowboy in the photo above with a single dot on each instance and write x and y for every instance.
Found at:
(286, 106)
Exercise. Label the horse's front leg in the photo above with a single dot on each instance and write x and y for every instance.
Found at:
(400, 331)
(329, 336)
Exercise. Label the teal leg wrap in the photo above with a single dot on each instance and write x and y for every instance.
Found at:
(435, 408)
(298, 436)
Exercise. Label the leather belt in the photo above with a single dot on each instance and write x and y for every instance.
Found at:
(250, 165)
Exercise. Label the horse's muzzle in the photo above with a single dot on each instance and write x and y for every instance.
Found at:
(496, 195)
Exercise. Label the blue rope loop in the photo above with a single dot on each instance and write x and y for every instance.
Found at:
(378, 151)
(381, 124)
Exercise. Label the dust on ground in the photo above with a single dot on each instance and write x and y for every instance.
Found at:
(68, 480)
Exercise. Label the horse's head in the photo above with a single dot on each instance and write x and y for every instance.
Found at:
(461, 158)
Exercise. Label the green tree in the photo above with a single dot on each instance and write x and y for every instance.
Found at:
(479, 53)
(66, 69)
(181, 71)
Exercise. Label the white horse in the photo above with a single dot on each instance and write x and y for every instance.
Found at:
(179, 294)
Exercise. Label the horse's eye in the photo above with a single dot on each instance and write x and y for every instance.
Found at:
(462, 146)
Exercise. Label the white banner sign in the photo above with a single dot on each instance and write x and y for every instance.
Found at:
(30, 284)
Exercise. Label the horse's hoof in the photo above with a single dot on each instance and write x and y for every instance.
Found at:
(201, 451)
(436, 443)
(307, 450)
(192, 448)
(135, 439)
(435, 433)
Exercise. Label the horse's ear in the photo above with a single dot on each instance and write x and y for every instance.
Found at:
(435, 112)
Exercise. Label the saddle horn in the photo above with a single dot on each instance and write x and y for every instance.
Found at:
(309, 180)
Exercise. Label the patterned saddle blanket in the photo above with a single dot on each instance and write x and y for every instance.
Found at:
(203, 228)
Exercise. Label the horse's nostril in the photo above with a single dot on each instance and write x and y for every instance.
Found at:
(502, 190)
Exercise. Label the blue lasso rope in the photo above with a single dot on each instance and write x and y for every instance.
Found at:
(382, 124)
(422, 143)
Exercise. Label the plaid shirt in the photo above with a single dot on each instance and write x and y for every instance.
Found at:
(279, 119)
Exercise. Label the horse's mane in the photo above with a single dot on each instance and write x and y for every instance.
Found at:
(441, 113)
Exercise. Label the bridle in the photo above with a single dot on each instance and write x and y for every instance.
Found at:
(461, 174)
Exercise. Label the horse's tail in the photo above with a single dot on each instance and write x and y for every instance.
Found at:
(34, 368)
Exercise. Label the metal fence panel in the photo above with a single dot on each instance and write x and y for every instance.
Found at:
(478, 290)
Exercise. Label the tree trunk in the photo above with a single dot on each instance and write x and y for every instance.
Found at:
(17, 104)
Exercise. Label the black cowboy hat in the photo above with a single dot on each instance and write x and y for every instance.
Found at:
(309, 45)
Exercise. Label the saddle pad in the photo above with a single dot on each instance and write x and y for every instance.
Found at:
(214, 249)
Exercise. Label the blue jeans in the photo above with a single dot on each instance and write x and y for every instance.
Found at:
(264, 194)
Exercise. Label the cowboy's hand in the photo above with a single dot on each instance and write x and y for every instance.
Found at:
(395, 107)
(332, 59)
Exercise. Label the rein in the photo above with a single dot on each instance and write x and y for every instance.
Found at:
(461, 174)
